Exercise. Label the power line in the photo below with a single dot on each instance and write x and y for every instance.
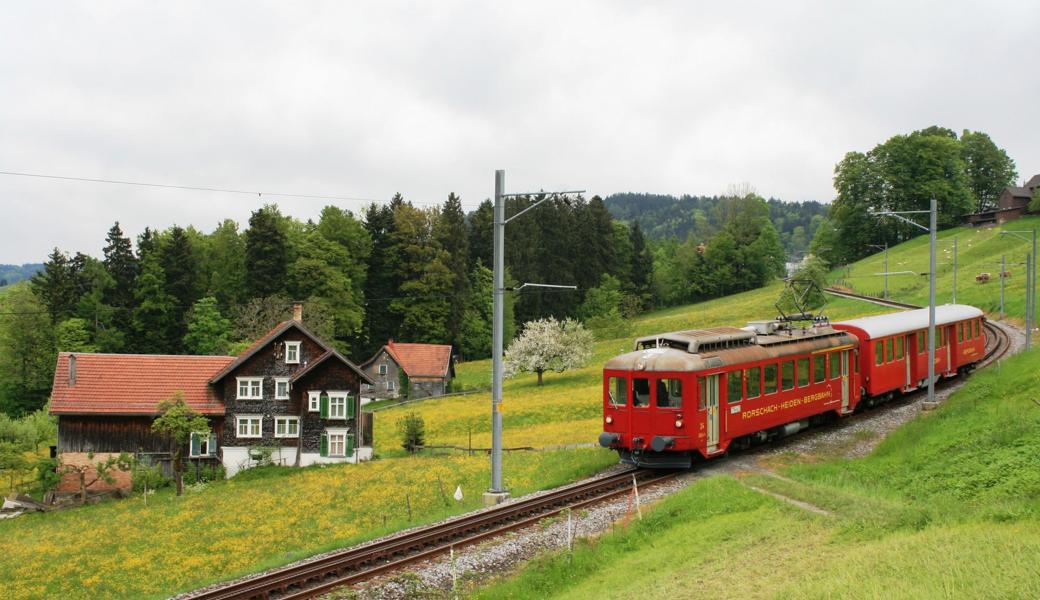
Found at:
(188, 187)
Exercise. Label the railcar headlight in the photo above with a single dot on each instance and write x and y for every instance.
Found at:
(678, 423)
(610, 419)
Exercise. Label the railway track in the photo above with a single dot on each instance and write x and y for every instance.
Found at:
(998, 341)
(319, 576)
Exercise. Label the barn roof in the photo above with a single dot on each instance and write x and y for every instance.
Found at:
(911, 320)
(134, 384)
(419, 360)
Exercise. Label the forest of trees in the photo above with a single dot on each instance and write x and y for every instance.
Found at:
(964, 175)
(10, 274)
(394, 271)
(664, 217)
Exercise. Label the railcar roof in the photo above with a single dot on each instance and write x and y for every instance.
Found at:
(911, 320)
(675, 352)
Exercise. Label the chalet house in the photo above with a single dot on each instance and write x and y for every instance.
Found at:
(423, 370)
(289, 395)
(1012, 204)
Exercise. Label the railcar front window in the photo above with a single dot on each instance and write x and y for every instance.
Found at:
(803, 372)
(640, 392)
(617, 391)
(879, 354)
(787, 375)
(734, 385)
(754, 382)
(669, 393)
(819, 369)
(770, 373)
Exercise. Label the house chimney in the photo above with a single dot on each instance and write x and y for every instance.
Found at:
(297, 312)
(72, 370)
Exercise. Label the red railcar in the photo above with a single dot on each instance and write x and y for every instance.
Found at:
(689, 394)
(894, 355)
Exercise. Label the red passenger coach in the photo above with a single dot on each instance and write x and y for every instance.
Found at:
(700, 392)
(894, 355)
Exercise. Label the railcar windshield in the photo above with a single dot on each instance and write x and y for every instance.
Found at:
(617, 391)
(669, 393)
(640, 392)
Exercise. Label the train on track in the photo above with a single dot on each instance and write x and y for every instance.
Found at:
(687, 395)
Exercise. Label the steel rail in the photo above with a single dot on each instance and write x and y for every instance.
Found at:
(363, 562)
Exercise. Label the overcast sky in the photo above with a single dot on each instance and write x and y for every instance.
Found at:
(425, 98)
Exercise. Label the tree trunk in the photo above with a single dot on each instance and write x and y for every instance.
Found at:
(82, 487)
(539, 377)
(178, 472)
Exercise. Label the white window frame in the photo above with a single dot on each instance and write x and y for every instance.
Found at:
(278, 380)
(287, 420)
(295, 347)
(382, 369)
(343, 398)
(251, 389)
(314, 401)
(390, 385)
(239, 419)
(342, 434)
(204, 437)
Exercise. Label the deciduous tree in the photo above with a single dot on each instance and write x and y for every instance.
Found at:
(178, 421)
(209, 332)
(549, 345)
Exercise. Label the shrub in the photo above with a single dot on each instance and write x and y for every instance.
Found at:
(412, 430)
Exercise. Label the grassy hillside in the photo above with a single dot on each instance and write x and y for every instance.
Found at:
(978, 251)
(948, 506)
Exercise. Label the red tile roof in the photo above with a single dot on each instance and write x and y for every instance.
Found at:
(134, 384)
(421, 360)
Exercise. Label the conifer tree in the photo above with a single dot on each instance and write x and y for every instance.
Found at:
(180, 269)
(642, 267)
(450, 233)
(381, 281)
(481, 234)
(121, 264)
(153, 317)
(267, 252)
(57, 285)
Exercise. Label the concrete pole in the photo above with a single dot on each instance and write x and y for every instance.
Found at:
(1032, 295)
(497, 314)
(1003, 269)
(1029, 300)
(954, 301)
(886, 270)
(931, 305)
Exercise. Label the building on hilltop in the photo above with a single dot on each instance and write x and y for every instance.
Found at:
(289, 397)
(408, 370)
(1012, 204)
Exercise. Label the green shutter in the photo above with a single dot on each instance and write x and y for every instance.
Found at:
(196, 444)
(350, 444)
(324, 403)
(324, 444)
(212, 444)
(350, 407)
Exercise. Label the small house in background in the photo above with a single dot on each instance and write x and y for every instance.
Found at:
(408, 370)
(1012, 204)
(289, 398)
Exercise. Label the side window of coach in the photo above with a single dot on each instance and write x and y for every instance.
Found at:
(835, 358)
(920, 341)
(734, 385)
(803, 372)
(819, 369)
(702, 384)
(641, 392)
(753, 382)
(770, 373)
(899, 347)
(888, 350)
(787, 375)
(879, 352)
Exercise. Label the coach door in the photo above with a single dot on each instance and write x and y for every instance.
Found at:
(908, 345)
(844, 381)
(711, 402)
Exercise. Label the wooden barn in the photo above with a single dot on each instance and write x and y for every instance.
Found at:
(289, 398)
(412, 370)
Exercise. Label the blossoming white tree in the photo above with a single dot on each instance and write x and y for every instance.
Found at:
(549, 345)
